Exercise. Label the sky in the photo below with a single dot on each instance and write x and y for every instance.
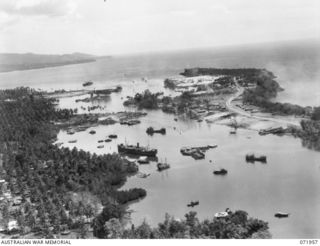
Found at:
(131, 26)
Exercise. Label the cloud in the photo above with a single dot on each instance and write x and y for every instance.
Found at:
(49, 8)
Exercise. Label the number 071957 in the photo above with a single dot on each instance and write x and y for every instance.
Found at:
(310, 242)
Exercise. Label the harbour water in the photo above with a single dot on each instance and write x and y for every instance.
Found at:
(288, 182)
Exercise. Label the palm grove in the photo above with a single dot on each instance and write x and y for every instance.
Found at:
(59, 189)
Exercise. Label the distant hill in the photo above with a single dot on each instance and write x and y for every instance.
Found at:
(12, 61)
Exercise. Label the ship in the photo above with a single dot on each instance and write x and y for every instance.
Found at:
(162, 166)
(192, 204)
(108, 91)
(281, 215)
(220, 172)
(151, 131)
(253, 158)
(136, 150)
(87, 83)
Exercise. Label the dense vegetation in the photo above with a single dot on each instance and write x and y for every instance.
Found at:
(57, 189)
(316, 113)
(236, 225)
(266, 89)
(246, 72)
(309, 133)
(144, 100)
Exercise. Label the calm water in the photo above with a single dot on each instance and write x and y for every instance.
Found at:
(288, 182)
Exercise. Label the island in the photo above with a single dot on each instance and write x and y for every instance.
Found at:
(13, 62)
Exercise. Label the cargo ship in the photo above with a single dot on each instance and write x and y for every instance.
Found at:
(137, 150)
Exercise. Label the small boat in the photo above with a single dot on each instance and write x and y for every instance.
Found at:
(281, 215)
(100, 146)
(143, 160)
(70, 132)
(253, 158)
(72, 141)
(113, 136)
(192, 204)
(87, 83)
(100, 141)
(233, 132)
(108, 140)
(197, 155)
(130, 122)
(276, 130)
(162, 166)
(212, 146)
(143, 175)
(81, 128)
(151, 131)
(133, 122)
(92, 132)
(220, 172)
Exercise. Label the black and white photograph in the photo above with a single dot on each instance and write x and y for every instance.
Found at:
(159, 119)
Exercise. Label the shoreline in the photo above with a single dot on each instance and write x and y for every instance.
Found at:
(190, 105)
(36, 67)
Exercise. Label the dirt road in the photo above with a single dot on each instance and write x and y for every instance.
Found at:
(235, 109)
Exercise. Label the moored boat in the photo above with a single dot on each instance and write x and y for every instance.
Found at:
(87, 83)
(281, 215)
(70, 132)
(136, 150)
(129, 122)
(92, 132)
(222, 171)
(151, 131)
(197, 155)
(143, 160)
(162, 166)
(253, 158)
(143, 175)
